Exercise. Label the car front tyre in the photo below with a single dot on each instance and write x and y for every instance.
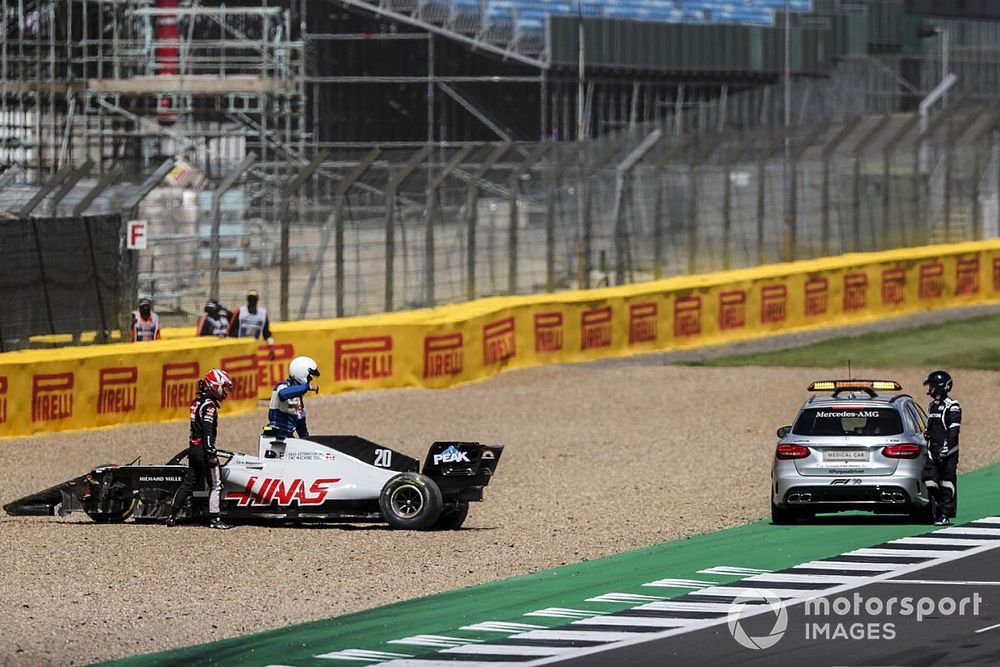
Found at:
(410, 501)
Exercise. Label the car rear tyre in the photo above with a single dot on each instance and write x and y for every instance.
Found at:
(453, 517)
(410, 502)
(924, 514)
(781, 516)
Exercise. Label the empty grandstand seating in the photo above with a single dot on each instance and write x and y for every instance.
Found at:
(521, 23)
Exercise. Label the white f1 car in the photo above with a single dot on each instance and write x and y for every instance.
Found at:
(335, 478)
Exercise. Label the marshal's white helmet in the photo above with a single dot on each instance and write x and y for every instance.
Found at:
(302, 369)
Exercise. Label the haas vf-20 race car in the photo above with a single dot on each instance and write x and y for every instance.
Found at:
(342, 478)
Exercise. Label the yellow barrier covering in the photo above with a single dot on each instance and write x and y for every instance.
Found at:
(445, 346)
(83, 387)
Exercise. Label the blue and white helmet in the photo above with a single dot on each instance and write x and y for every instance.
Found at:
(303, 369)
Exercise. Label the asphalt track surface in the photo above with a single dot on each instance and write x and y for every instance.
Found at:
(928, 599)
(864, 639)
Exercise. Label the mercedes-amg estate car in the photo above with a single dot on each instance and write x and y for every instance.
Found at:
(851, 449)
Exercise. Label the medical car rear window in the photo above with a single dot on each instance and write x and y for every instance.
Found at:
(848, 422)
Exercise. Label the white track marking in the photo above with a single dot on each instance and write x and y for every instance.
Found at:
(938, 540)
(904, 553)
(989, 519)
(417, 662)
(587, 635)
(648, 621)
(845, 565)
(988, 627)
(963, 530)
(507, 649)
(434, 640)
(560, 612)
(680, 583)
(505, 627)
(357, 654)
(730, 570)
(625, 598)
(734, 591)
(942, 582)
(681, 605)
(791, 577)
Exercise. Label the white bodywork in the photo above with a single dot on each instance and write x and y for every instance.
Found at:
(301, 472)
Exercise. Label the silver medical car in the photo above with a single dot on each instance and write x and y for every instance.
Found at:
(851, 449)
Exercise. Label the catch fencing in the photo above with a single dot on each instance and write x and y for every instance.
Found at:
(389, 229)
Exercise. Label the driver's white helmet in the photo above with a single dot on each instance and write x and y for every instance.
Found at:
(302, 369)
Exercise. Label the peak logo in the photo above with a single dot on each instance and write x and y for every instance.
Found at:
(51, 397)
(816, 296)
(116, 390)
(178, 384)
(283, 492)
(595, 328)
(272, 371)
(443, 355)
(732, 309)
(931, 281)
(3, 399)
(243, 370)
(642, 325)
(548, 332)
(967, 276)
(687, 316)
(451, 455)
(498, 342)
(773, 303)
(893, 283)
(362, 358)
(855, 291)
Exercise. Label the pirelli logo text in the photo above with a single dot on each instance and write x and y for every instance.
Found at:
(893, 286)
(855, 291)
(773, 303)
(996, 274)
(687, 316)
(931, 281)
(3, 399)
(272, 371)
(179, 384)
(548, 332)
(51, 397)
(817, 290)
(967, 276)
(243, 371)
(499, 343)
(116, 390)
(595, 328)
(642, 323)
(362, 358)
(443, 355)
(732, 309)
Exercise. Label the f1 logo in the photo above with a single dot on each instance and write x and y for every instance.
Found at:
(136, 235)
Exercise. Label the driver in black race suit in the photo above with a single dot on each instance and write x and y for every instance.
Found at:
(944, 421)
(203, 459)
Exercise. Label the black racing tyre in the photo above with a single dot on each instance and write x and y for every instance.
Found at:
(924, 514)
(781, 516)
(453, 517)
(118, 516)
(410, 501)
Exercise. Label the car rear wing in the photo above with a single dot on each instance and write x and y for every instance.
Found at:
(462, 469)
